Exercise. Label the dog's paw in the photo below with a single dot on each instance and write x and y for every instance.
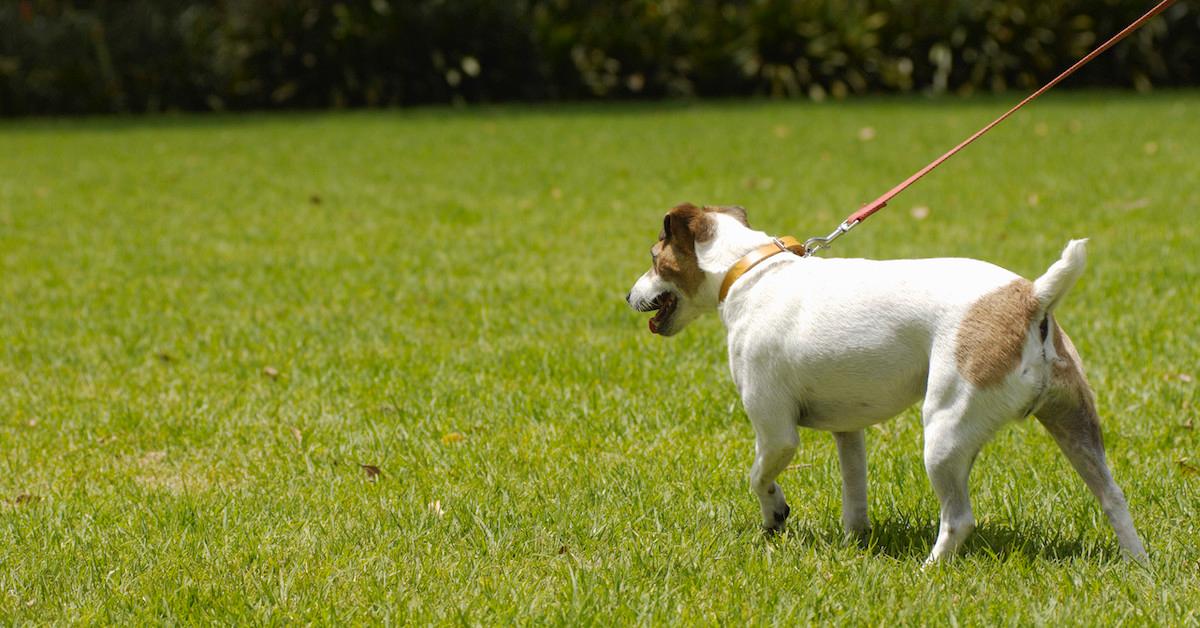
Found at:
(777, 519)
(857, 536)
(932, 562)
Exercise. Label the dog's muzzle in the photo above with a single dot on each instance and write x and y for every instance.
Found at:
(665, 304)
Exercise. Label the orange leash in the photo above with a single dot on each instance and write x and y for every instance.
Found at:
(813, 245)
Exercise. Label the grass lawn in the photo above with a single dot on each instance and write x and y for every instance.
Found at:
(210, 324)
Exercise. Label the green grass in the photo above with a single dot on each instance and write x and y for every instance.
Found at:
(413, 275)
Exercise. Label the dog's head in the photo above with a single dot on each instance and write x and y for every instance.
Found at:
(677, 287)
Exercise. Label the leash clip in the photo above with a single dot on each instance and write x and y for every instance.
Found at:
(812, 245)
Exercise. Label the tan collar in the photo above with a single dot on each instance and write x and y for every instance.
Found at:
(786, 244)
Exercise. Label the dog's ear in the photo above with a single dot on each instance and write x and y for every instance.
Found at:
(736, 211)
(687, 224)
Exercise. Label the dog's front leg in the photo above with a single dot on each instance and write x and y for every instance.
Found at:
(775, 444)
(852, 455)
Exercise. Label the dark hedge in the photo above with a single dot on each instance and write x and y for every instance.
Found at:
(153, 55)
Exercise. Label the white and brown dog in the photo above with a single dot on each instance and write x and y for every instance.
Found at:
(842, 344)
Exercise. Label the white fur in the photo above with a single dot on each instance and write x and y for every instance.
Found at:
(1062, 274)
(842, 344)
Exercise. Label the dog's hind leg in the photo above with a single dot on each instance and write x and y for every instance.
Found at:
(958, 421)
(1069, 414)
(852, 456)
(774, 445)
(950, 450)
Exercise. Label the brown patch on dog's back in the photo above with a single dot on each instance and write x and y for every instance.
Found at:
(992, 334)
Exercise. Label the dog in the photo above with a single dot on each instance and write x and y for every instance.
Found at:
(842, 344)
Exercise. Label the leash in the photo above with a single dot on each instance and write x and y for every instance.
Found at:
(812, 245)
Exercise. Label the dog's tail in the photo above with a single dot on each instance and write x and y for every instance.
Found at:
(1058, 279)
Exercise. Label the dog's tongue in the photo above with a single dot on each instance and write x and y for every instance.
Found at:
(662, 313)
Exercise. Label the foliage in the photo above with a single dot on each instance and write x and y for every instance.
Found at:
(150, 55)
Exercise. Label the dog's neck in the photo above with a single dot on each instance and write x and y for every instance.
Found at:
(716, 256)
(732, 241)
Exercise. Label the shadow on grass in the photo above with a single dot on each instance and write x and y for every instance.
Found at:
(905, 539)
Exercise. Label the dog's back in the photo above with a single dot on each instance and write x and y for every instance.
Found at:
(855, 338)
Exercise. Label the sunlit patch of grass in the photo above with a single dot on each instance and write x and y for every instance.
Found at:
(215, 330)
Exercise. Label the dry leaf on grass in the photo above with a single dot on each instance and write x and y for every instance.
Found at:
(298, 436)
(1130, 205)
(26, 498)
(758, 183)
(453, 437)
(435, 507)
(1187, 467)
(373, 472)
(271, 372)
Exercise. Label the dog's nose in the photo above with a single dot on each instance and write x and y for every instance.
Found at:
(629, 297)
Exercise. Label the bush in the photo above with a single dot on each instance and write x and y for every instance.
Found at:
(151, 55)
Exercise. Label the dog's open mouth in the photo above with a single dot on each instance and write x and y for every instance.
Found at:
(665, 304)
